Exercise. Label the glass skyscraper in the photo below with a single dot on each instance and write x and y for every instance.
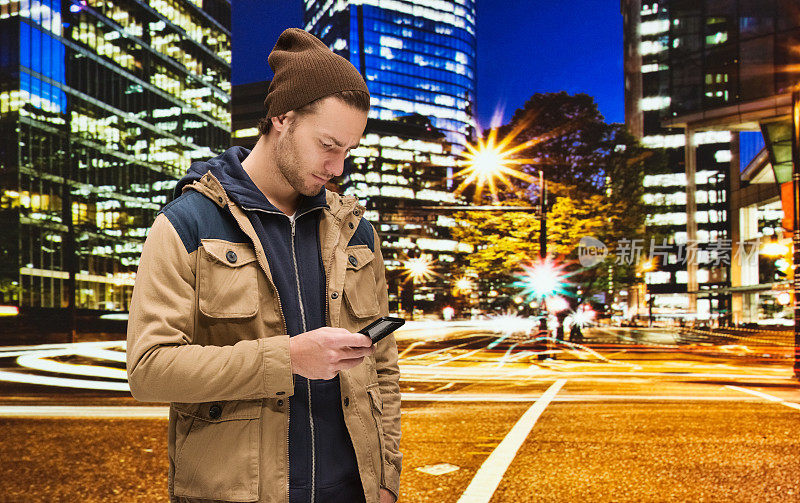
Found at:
(416, 56)
(103, 106)
(687, 201)
(418, 59)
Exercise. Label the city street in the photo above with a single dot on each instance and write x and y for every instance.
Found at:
(627, 415)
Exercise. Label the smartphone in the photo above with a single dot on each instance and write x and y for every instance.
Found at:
(382, 327)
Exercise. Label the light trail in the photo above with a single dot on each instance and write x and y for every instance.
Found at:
(86, 411)
(62, 381)
(458, 357)
(37, 360)
(448, 348)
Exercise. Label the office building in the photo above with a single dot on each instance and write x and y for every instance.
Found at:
(741, 64)
(103, 106)
(418, 59)
(247, 108)
(687, 202)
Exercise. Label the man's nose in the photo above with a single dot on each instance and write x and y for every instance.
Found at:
(335, 166)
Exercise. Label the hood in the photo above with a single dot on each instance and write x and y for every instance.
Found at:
(240, 188)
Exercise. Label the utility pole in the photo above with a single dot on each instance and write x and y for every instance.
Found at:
(796, 225)
(542, 217)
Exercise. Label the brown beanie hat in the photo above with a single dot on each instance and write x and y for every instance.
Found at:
(306, 70)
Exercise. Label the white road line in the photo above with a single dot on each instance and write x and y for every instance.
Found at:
(145, 412)
(771, 398)
(513, 397)
(156, 412)
(489, 475)
(410, 372)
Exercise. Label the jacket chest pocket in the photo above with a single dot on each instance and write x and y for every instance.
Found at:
(218, 452)
(359, 282)
(227, 279)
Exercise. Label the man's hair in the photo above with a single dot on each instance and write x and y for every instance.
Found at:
(355, 99)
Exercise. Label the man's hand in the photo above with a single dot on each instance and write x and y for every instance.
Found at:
(387, 496)
(322, 353)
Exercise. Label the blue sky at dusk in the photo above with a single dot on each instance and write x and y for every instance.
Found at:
(524, 47)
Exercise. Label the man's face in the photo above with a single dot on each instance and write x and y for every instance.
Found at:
(312, 148)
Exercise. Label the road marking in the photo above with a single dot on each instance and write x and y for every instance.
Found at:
(771, 398)
(156, 412)
(512, 397)
(143, 411)
(410, 372)
(491, 472)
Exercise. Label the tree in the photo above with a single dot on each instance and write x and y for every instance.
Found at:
(593, 173)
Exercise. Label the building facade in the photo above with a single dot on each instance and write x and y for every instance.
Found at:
(742, 65)
(103, 106)
(247, 108)
(417, 56)
(687, 222)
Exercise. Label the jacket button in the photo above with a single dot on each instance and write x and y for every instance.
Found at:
(334, 295)
(350, 224)
(346, 401)
(280, 403)
(220, 199)
(214, 412)
(355, 212)
(353, 260)
(231, 256)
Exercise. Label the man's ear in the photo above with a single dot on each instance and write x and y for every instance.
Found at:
(281, 122)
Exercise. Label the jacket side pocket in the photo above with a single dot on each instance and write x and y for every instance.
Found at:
(219, 456)
(377, 415)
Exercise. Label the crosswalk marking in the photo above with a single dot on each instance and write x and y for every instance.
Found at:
(771, 398)
(491, 472)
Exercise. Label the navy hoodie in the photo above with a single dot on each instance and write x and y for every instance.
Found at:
(319, 443)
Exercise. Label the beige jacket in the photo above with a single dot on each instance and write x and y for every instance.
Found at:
(208, 336)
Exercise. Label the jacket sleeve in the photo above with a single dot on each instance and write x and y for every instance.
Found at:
(389, 384)
(162, 363)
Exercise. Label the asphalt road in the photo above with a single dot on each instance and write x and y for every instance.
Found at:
(627, 415)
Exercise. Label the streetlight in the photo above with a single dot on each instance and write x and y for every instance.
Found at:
(489, 162)
(647, 266)
(796, 226)
(418, 269)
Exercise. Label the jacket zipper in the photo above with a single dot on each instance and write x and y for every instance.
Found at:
(288, 404)
(308, 381)
(285, 329)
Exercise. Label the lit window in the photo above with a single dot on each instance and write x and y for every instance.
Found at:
(656, 103)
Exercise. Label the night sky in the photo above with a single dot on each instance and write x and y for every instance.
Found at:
(524, 47)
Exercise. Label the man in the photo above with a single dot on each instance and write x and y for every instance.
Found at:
(250, 287)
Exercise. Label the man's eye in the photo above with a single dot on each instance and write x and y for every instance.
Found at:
(327, 145)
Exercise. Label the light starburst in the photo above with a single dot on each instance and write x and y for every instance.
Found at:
(490, 162)
(419, 268)
(542, 279)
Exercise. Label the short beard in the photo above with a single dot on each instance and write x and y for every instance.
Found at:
(286, 159)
